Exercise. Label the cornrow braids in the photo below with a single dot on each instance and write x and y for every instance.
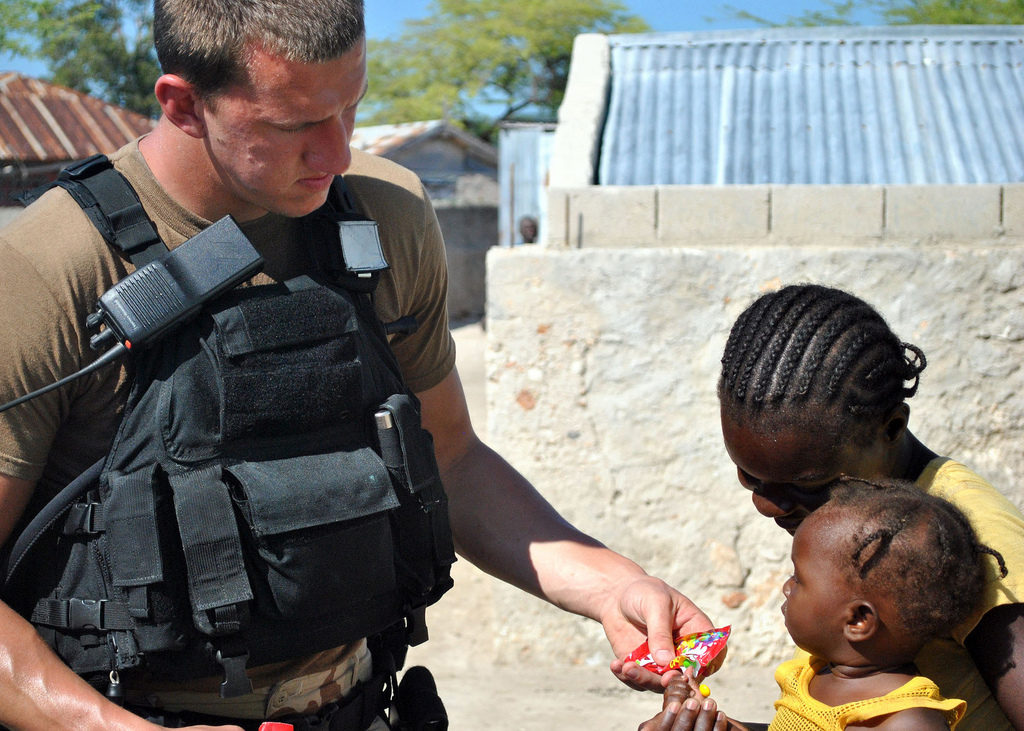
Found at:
(778, 345)
(810, 345)
(915, 548)
(761, 327)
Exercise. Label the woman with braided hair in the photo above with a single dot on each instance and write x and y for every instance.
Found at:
(814, 385)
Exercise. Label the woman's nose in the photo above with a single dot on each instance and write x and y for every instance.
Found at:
(770, 504)
(787, 587)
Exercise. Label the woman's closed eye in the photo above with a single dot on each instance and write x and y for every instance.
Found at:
(760, 487)
(750, 482)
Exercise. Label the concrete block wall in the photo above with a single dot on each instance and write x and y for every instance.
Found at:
(602, 365)
(613, 216)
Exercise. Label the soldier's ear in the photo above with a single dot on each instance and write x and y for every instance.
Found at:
(181, 104)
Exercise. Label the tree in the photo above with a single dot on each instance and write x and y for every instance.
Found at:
(100, 47)
(903, 12)
(955, 12)
(484, 60)
(836, 13)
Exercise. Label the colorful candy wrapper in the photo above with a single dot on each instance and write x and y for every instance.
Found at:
(697, 651)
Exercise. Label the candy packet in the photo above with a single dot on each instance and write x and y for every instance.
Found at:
(697, 651)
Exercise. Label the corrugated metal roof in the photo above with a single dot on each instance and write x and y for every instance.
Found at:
(41, 122)
(903, 104)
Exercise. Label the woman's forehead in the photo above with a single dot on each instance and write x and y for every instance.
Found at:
(783, 454)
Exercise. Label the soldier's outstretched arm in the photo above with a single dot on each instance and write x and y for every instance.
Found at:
(503, 525)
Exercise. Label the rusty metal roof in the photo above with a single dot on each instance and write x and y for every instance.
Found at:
(41, 122)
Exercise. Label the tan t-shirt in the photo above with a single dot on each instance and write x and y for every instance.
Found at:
(55, 265)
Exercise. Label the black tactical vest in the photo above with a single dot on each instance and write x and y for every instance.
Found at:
(269, 493)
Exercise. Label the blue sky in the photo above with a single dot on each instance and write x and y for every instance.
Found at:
(384, 18)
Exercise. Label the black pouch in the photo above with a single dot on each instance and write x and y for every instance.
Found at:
(316, 532)
(426, 549)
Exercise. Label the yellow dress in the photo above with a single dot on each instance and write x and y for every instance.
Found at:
(796, 710)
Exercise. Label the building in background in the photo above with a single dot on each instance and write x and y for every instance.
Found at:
(43, 127)
(455, 166)
(841, 105)
(655, 123)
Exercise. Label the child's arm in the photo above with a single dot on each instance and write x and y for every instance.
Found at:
(684, 710)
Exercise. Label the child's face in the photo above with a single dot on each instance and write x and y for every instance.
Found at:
(817, 593)
(788, 468)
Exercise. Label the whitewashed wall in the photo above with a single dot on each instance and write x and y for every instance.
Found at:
(602, 365)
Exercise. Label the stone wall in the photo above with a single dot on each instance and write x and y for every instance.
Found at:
(602, 364)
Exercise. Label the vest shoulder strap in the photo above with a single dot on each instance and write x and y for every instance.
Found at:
(348, 243)
(112, 205)
(343, 202)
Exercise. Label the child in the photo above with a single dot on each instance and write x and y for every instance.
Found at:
(813, 386)
(877, 571)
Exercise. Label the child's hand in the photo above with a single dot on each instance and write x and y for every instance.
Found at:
(685, 709)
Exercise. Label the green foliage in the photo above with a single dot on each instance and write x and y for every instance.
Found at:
(955, 12)
(13, 26)
(100, 47)
(837, 13)
(901, 12)
(487, 60)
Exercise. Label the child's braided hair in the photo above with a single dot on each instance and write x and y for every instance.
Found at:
(810, 344)
(918, 549)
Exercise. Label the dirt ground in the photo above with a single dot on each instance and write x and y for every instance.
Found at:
(514, 697)
(517, 697)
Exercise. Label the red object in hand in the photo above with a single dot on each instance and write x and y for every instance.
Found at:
(276, 726)
(697, 651)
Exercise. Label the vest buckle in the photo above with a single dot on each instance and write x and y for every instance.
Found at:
(235, 682)
(85, 613)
